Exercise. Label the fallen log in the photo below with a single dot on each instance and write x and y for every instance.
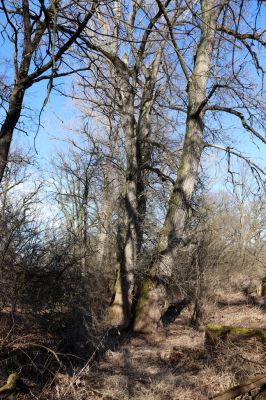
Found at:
(254, 383)
(214, 333)
(10, 387)
(13, 386)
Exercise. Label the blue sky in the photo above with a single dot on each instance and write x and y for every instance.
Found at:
(56, 116)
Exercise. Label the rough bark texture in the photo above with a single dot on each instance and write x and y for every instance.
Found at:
(6, 132)
(120, 310)
(152, 296)
(105, 223)
(137, 151)
(143, 130)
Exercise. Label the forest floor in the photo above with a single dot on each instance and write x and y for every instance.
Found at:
(174, 363)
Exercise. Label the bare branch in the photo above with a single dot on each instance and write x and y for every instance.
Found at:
(161, 175)
(241, 117)
(230, 150)
(176, 48)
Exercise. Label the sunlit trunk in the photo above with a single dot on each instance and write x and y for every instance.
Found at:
(120, 310)
(138, 157)
(152, 297)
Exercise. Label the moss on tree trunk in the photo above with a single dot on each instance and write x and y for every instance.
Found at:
(148, 311)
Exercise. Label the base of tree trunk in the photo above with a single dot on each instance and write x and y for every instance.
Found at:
(119, 313)
(148, 310)
(117, 316)
(215, 333)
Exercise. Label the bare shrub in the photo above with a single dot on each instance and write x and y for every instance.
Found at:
(244, 283)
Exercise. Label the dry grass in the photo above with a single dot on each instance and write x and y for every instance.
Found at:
(172, 364)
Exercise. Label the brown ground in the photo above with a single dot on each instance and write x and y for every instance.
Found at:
(174, 364)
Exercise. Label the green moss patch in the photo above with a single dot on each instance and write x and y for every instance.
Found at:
(215, 331)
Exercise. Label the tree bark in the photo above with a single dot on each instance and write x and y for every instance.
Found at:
(7, 129)
(143, 130)
(120, 310)
(152, 297)
(105, 223)
(137, 151)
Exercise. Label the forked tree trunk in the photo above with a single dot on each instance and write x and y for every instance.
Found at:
(152, 297)
(137, 151)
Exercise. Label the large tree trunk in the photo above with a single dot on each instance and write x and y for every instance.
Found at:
(8, 126)
(120, 310)
(138, 155)
(152, 297)
(152, 294)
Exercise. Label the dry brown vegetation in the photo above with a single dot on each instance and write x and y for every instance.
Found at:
(173, 363)
(53, 330)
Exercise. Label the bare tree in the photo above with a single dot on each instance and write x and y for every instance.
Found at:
(35, 28)
(147, 61)
(74, 187)
(20, 233)
(213, 73)
(127, 87)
